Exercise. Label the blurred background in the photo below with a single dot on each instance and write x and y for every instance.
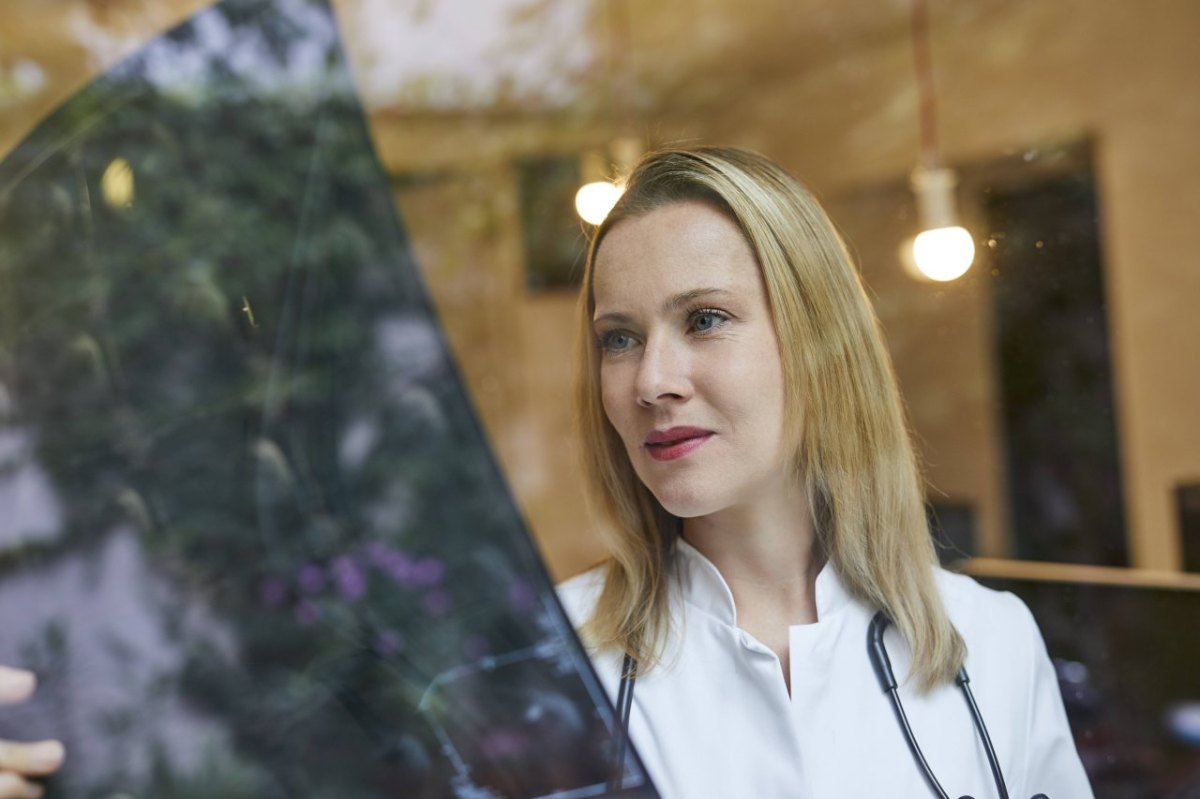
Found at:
(1053, 387)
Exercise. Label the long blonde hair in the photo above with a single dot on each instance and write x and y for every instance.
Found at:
(843, 405)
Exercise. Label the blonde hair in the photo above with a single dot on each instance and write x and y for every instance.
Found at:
(853, 446)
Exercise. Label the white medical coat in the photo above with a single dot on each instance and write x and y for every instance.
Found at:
(715, 720)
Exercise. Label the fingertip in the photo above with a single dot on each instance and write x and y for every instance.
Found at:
(16, 685)
(45, 757)
(13, 786)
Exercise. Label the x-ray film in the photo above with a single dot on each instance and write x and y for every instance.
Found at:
(252, 538)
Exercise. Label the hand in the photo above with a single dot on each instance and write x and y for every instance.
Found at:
(19, 761)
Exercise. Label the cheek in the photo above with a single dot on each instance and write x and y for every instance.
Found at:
(752, 389)
(610, 399)
(754, 376)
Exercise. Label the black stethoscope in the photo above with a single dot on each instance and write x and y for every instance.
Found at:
(887, 681)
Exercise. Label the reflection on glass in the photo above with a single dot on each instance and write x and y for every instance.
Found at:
(1128, 680)
(252, 539)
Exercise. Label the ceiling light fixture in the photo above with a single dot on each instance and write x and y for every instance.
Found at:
(604, 178)
(944, 249)
(603, 173)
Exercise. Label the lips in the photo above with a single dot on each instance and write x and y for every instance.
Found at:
(676, 442)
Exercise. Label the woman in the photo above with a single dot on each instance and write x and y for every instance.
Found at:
(747, 444)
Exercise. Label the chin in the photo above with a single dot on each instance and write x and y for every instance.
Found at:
(686, 502)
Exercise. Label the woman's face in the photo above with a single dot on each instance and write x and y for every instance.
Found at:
(690, 370)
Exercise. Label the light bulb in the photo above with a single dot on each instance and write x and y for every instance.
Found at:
(943, 253)
(594, 200)
(117, 184)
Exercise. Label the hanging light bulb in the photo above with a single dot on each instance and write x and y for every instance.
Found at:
(600, 192)
(594, 200)
(597, 195)
(943, 254)
(943, 250)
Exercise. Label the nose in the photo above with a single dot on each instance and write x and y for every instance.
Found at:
(662, 374)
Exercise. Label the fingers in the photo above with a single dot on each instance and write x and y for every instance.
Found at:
(35, 759)
(15, 787)
(16, 685)
(18, 760)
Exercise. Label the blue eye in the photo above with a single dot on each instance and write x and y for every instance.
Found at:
(704, 321)
(614, 341)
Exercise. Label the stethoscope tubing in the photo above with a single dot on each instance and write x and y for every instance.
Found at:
(964, 682)
(624, 710)
(911, 739)
(877, 650)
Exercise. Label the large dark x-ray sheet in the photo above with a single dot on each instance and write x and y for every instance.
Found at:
(251, 537)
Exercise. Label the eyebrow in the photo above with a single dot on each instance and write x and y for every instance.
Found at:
(672, 304)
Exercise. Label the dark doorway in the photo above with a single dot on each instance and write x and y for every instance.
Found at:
(1055, 375)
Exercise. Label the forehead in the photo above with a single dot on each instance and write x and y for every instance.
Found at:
(672, 249)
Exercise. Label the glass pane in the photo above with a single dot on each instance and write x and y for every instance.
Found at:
(258, 545)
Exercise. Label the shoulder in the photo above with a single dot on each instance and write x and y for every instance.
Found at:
(580, 593)
(578, 596)
(990, 621)
(968, 600)
(1016, 685)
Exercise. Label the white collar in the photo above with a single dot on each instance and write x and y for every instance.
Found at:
(702, 586)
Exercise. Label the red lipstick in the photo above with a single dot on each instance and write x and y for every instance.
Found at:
(674, 443)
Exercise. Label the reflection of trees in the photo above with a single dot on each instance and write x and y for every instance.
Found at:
(241, 364)
(478, 55)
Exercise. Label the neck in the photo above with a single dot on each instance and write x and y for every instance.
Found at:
(767, 554)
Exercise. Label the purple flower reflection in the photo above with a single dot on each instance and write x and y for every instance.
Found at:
(311, 578)
(307, 612)
(388, 642)
(349, 579)
(437, 602)
(502, 744)
(428, 572)
(392, 562)
(379, 554)
(272, 591)
(401, 569)
(404, 570)
(476, 646)
(522, 596)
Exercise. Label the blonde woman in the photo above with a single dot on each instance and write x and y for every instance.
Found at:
(747, 445)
